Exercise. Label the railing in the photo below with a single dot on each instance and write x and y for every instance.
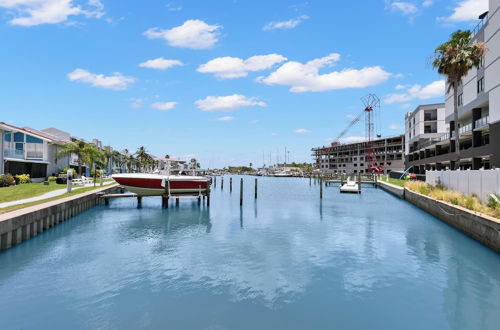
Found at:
(34, 154)
(13, 153)
(479, 26)
(430, 117)
(465, 129)
(429, 131)
(444, 137)
(481, 122)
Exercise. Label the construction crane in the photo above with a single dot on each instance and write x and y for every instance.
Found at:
(371, 112)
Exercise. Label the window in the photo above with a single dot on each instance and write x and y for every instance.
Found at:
(481, 63)
(460, 99)
(480, 85)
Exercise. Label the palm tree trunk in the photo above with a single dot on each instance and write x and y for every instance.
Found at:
(79, 166)
(455, 118)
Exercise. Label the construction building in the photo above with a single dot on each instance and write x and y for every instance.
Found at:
(351, 158)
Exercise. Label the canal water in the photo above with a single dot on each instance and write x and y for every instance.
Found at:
(285, 261)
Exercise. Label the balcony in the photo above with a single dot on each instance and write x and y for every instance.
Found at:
(13, 153)
(430, 117)
(465, 129)
(481, 122)
(444, 137)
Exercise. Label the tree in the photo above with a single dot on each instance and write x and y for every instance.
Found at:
(455, 58)
(144, 160)
(73, 148)
(93, 156)
(129, 160)
(193, 164)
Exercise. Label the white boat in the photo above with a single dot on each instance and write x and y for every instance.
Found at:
(350, 187)
(145, 184)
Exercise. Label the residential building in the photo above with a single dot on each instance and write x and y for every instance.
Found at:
(25, 151)
(350, 158)
(472, 142)
(424, 126)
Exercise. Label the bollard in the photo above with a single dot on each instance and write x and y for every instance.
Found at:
(69, 182)
(230, 184)
(241, 191)
(255, 188)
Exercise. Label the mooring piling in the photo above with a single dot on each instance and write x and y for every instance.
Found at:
(230, 184)
(255, 188)
(320, 189)
(222, 183)
(241, 191)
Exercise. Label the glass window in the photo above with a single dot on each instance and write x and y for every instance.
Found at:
(18, 137)
(480, 85)
(460, 99)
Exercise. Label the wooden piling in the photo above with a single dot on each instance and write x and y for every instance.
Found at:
(139, 201)
(241, 191)
(177, 201)
(320, 189)
(222, 183)
(230, 184)
(256, 188)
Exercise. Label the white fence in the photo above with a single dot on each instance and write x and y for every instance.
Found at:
(478, 182)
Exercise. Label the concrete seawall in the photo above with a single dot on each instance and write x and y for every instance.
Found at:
(20, 225)
(481, 227)
(393, 189)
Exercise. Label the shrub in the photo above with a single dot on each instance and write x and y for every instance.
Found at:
(52, 179)
(494, 201)
(22, 178)
(96, 172)
(7, 180)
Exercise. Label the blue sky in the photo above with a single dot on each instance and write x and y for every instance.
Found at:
(225, 81)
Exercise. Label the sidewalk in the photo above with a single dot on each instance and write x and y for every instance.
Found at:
(50, 194)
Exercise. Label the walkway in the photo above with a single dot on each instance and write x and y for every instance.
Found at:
(50, 194)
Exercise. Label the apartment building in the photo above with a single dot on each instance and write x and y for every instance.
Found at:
(472, 142)
(350, 158)
(424, 127)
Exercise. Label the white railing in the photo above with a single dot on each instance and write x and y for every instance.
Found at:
(444, 137)
(13, 153)
(481, 122)
(465, 129)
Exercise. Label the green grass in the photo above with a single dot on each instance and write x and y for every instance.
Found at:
(27, 190)
(74, 192)
(395, 182)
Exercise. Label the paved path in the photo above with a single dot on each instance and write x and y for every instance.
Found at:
(50, 194)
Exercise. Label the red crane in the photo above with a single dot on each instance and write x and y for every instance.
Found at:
(371, 112)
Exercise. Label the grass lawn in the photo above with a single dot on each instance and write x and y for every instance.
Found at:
(27, 190)
(395, 182)
(74, 192)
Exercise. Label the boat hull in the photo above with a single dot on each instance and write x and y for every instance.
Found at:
(156, 185)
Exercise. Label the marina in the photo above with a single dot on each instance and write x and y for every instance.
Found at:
(285, 260)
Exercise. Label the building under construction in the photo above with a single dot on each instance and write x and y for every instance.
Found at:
(352, 158)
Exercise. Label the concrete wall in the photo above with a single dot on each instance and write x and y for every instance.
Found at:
(482, 228)
(393, 189)
(478, 182)
(20, 225)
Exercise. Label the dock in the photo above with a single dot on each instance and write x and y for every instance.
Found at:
(200, 195)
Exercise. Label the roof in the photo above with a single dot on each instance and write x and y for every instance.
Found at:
(28, 131)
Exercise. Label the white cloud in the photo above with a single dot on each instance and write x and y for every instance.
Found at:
(432, 90)
(400, 87)
(302, 131)
(255, 121)
(227, 103)
(36, 12)
(467, 10)
(352, 139)
(226, 118)
(116, 81)
(274, 134)
(306, 77)
(233, 67)
(427, 3)
(162, 106)
(395, 127)
(160, 63)
(406, 8)
(285, 25)
(137, 102)
(173, 7)
(194, 34)
(405, 106)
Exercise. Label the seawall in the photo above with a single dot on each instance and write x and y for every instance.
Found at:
(22, 224)
(481, 227)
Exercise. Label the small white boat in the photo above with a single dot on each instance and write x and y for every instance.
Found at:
(350, 187)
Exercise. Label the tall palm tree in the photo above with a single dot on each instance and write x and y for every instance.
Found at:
(142, 157)
(73, 148)
(129, 160)
(455, 58)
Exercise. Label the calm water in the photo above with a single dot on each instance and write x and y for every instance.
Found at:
(287, 261)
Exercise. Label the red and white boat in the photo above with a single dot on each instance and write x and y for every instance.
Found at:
(145, 184)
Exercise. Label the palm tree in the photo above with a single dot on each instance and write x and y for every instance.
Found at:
(73, 148)
(128, 159)
(455, 58)
(142, 157)
(108, 156)
(93, 156)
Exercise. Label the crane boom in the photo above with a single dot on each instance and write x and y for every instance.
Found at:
(351, 124)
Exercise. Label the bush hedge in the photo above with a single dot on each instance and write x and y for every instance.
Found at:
(7, 180)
